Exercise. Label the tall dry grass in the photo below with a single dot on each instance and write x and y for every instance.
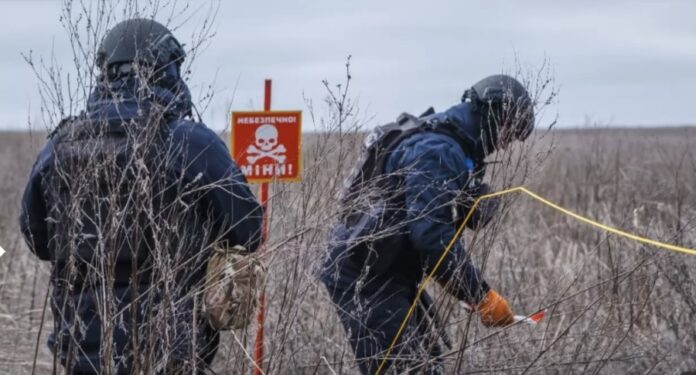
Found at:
(614, 306)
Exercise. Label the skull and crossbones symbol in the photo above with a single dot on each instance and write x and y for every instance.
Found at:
(266, 145)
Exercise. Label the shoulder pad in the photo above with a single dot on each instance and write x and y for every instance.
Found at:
(428, 112)
(404, 118)
(61, 125)
(408, 122)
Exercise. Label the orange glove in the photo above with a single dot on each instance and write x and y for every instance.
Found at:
(494, 310)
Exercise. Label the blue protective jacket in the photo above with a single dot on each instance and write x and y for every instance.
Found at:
(433, 169)
(225, 210)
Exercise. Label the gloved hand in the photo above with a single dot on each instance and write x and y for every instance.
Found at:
(494, 310)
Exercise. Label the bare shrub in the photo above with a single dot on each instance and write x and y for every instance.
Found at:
(614, 306)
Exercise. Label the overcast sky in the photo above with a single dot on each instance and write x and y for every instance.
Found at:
(615, 62)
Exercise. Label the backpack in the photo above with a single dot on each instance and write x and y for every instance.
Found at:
(90, 187)
(373, 209)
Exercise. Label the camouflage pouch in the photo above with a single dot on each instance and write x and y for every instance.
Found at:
(232, 281)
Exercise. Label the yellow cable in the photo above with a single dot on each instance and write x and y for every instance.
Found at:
(556, 207)
(607, 228)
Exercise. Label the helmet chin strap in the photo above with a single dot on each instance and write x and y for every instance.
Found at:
(473, 99)
(488, 138)
(487, 143)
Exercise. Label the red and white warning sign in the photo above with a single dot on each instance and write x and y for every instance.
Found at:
(267, 145)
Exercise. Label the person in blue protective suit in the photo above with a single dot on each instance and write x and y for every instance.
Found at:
(416, 180)
(126, 201)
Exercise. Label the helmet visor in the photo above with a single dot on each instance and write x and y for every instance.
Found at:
(167, 50)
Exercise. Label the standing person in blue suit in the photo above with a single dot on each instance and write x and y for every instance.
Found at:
(403, 204)
(126, 201)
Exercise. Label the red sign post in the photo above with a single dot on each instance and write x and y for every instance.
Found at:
(267, 147)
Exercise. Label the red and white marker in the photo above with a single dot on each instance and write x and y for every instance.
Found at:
(530, 319)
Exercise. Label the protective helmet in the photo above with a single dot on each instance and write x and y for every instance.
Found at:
(139, 40)
(509, 101)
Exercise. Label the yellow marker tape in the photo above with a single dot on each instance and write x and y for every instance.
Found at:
(556, 207)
